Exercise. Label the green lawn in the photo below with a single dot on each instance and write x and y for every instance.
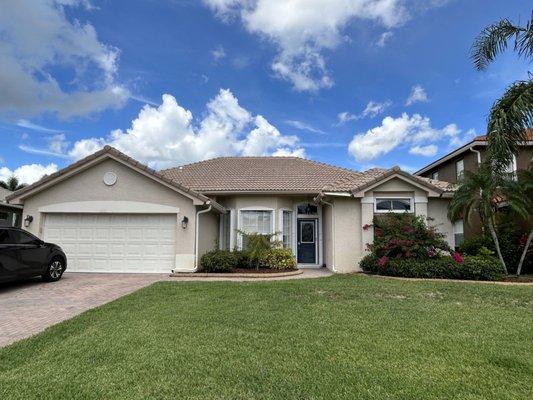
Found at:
(343, 337)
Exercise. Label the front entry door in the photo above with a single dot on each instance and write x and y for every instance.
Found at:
(307, 241)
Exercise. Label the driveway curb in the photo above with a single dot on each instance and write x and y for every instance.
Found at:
(235, 275)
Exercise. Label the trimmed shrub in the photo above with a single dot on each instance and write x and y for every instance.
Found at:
(242, 259)
(218, 261)
(472, 267)
(482, 268)
(278, 259)
(473, 245)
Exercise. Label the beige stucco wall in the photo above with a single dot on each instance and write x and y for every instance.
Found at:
(209, 232)
(438, 210)
(347, 236)
(131, 186)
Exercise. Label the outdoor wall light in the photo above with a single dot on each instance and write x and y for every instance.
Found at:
(184, 222)
(28, 220)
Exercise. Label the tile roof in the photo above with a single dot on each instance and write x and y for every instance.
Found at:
(280, 174)
(260, 174)
(529, 133)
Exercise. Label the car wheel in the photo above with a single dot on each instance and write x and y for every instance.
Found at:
(54, 271)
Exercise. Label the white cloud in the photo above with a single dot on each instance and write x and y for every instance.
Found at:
(426, 151)
(37, 39)
(418, 95)
(303, 29)
(372, 109)
(28, 173)
(384, 38)
(304, 126)
(395, 132)
(166, 136)
(218, 54)
(24, 123)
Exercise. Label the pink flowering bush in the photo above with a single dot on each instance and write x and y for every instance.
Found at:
(404, 245)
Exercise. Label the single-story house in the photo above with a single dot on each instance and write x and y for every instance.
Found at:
(112, 214)
(9, 213)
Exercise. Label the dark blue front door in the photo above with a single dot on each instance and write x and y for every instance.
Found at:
(307, 241)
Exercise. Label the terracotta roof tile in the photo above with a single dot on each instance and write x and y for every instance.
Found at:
(260, 174)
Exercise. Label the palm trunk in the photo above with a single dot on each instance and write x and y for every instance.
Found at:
(497, 244)
(523, 257)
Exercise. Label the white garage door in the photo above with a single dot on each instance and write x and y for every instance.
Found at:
(114, 242)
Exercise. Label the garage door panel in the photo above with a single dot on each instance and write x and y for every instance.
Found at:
(114, 242)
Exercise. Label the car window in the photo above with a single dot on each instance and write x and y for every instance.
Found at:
(19, 237)
(4, 236)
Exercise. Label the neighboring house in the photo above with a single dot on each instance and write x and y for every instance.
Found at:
(113, 214)
(9, 214)
(450, 168)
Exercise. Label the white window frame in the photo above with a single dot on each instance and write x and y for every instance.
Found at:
(255, 208)
(457, 232)
(459, 174)
(411, 202)
(281, 226)
(435, 175)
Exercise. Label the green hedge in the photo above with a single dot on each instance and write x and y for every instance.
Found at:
(227, 261)
(219, 261)
(472, 268)
(278, 259)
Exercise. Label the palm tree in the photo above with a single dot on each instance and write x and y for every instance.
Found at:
(481, 191)
(12, 184)
(525, 180)
(512, 114)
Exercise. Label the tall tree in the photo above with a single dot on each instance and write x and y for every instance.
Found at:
(12, 184)
(525, 181)
(481, 191)
(512, 114)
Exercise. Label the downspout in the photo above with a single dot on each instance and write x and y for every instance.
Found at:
(197, 236)
(333, 268)
(478, 155)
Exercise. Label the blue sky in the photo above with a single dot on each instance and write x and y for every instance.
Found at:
(355, 83)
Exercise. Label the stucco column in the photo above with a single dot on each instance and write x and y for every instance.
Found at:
(421, 206)
(367, 214)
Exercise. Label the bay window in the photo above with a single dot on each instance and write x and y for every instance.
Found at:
(255, 221)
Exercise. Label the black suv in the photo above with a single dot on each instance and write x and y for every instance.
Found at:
(23, 255)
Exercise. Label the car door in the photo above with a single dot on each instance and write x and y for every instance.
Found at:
(32, 254)
(9, 262)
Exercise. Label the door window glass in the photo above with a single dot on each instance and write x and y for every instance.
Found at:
(308, 232)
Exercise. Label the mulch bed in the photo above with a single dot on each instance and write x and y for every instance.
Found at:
(522, 279)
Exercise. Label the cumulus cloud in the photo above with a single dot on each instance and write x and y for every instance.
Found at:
(166, 135)
(303, 29)
(412, 130)
(36, 39)
(28, 173)
(426, 151)
(418, 95)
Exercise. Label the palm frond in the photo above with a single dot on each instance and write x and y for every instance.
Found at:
(509, 119)
(524, 41)
(492, 41)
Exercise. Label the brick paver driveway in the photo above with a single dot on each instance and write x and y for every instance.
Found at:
(29, 307)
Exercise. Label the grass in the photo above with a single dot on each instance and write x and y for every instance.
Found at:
(343, 337)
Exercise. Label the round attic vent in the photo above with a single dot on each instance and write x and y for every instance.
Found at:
(110, 178)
